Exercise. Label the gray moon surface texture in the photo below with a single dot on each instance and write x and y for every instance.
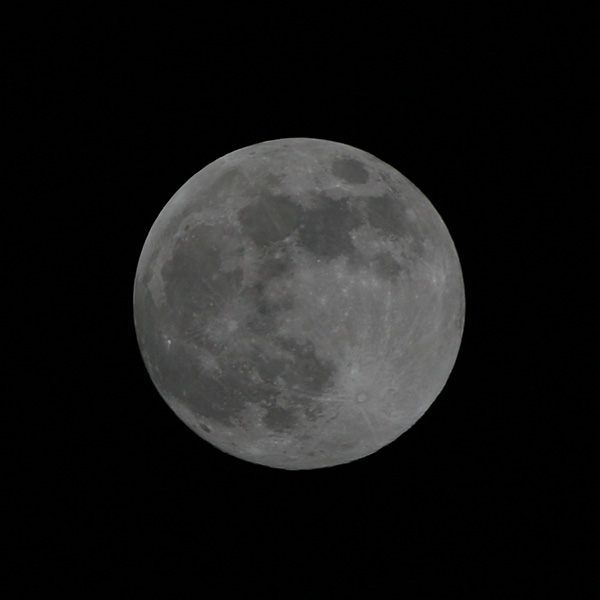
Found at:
(299, 303)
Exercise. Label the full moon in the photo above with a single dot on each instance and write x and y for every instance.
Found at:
(299, 303)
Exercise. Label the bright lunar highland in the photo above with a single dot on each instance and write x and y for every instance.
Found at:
(299, 303)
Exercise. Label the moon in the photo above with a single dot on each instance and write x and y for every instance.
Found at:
(299, 303)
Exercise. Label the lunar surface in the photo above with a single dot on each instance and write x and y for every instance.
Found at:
(299, 303)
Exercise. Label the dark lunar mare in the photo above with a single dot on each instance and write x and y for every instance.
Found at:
(193, 301)
(270, 219)
(327, 235)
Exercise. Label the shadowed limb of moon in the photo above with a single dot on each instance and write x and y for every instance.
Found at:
(299, 303)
